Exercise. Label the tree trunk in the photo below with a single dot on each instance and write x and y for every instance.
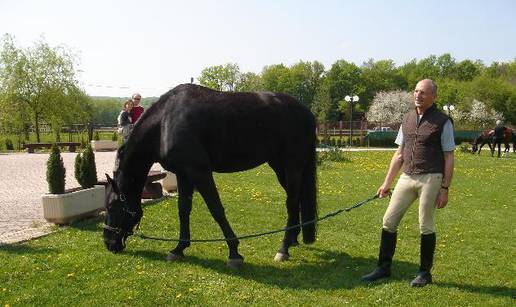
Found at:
(90, 131)
(26, 132)
(36, 117)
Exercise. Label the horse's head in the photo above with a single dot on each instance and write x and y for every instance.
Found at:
(474, 147)
(122, 215)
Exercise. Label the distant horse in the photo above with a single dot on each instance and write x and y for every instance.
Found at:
(486, 137)
(194, 131)
(508, 137)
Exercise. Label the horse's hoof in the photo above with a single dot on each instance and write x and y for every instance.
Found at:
(173, 257)
(236, 263)
(280, 257)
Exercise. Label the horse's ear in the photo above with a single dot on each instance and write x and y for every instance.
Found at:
(109, 180)
(112, 183)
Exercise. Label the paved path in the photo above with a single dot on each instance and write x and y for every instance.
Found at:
(23, 181)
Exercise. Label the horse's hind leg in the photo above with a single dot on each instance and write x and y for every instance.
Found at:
(292, 211)
(204, 182)
(185, 192)
(291, 181)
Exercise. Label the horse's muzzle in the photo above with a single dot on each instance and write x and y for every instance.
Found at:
(115, 246)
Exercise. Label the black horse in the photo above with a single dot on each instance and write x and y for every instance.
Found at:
(194, 131)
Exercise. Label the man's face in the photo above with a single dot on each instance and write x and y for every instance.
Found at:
(423, 95)
(136, 100)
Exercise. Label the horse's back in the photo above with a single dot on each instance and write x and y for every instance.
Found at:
(236, 131)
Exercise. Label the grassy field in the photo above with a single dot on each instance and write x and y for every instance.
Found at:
(474, 263)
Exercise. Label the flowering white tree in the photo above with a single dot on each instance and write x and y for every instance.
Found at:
(389, 107)
(480, 116)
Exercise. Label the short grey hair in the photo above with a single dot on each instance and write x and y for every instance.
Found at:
(434, 86)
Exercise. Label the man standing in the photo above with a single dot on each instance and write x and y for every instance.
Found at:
(498, 136)
(137, 110)
(425, 154)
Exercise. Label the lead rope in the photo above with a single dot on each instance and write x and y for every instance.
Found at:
(140, 234)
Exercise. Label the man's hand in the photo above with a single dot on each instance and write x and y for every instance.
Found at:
(383, 191)
(442, 199)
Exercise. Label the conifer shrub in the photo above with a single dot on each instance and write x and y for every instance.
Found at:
(56, 171)
(85, 168)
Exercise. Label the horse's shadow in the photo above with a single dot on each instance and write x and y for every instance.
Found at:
(333, 270)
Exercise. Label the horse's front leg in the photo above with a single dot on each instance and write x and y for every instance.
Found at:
(185, 192)
(205, 184)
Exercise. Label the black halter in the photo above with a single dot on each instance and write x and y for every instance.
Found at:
(119, 230)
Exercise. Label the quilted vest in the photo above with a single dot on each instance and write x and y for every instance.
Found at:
(422, 151)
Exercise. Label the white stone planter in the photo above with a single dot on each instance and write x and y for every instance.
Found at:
(170, 182)
(104, 145)
(69, 207)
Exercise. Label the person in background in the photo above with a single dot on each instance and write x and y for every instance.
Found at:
(425, 154)
(498, 136)
(137, 110)
(125, 122)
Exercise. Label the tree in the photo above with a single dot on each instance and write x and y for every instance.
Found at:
(481, 117)
(380, 76)
(220, 77)
(39, 84)
(468, 70)
(390, 107)
(106, 110)
(343, 79)
(322, 105)
(56, 171)
(249, 82)
(277, 78)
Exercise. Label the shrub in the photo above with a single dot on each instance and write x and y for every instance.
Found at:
(114, 137)
(465, 147)
(84, 143)
(56, 171)
(96, 136)
(9, 144)
(331, 155)
(85, 168)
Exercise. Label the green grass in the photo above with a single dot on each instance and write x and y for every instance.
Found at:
(474, 263)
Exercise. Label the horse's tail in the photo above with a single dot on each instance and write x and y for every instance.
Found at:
(309, 197)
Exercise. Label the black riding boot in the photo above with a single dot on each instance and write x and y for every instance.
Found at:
(424, 276)
(387, 248)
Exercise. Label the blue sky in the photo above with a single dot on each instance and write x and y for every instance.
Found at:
(150, 46)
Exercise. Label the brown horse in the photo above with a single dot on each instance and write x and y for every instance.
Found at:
(487, 137)
(508, 137)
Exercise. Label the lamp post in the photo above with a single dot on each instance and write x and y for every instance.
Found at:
(449, 107)
(351, 99)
